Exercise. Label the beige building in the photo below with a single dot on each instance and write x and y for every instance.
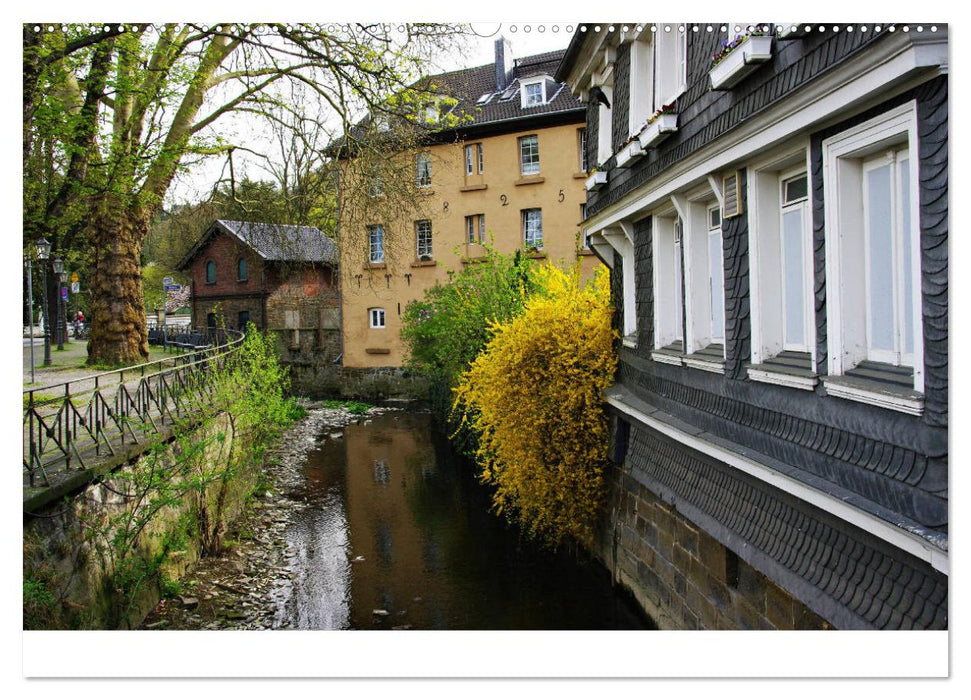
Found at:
(511, 177)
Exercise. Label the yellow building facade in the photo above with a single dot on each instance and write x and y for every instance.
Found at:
(511, 183)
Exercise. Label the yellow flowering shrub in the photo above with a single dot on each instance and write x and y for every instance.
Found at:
(535, 397)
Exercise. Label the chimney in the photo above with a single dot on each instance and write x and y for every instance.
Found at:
(504, 63)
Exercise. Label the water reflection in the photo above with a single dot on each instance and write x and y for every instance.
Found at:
(400, 535)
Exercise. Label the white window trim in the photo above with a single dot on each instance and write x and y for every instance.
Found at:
(621, 239)
(473, 159)
(526, 244)
(376, 318)
(665, 256)
(418, 224)
(764, 232)
(697, 298)
(641, 83)
(539, 80)
(423, 157)
(371, 230)
(886, 127)
(522, 163)
(605, 147)
(678, 33)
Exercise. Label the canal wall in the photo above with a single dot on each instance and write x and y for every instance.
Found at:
(102, 558)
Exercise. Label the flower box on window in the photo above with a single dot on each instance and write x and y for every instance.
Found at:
(741, 60)
(658, 130)
(597, 179)
(629, 154)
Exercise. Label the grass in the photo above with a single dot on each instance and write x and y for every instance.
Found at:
(357, 408)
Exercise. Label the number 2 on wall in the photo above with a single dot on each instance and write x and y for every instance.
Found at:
(505, 202)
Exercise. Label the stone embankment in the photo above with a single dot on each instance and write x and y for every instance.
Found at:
(247, 587)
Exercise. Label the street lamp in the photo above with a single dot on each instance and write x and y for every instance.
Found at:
(43, 253)
(61, 279)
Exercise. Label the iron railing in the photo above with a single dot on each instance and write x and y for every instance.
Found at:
(70, 426)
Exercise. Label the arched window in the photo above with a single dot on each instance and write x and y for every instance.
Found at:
(241, 270)
(210, 272)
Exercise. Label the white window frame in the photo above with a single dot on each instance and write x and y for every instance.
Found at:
(532, 222)
(376, 318)
(473, 159)
(668, 270)
(582, 144)
(806, 271)
(475, 229)
(716, 305)
(670, 63)
(524, 94)
(847, 305)
(529, 168)
(423, 229)
(376, 244)
(765, 220)
(605, 147)
(641, 105)
(423, 170)
(698, 331)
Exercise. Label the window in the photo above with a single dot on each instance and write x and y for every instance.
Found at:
(375, 187)
(605, 146)
(210, 320)
(423, 168)
(872, 252)
(641, 83)
(582, 145)
(243, 320)
(704, 293)
(781, 266)
(475, 228)
(376, 243)
(423, 238)
(534, 93)
(241, 270)
(670, 57)
(473, 159)
(668, 268)
(584, 233)
(210, 272)
(716, 276)
(529, 155)
(533, 228)
(796, 280)
(377, 318)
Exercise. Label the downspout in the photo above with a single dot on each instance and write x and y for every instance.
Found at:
(339, 360)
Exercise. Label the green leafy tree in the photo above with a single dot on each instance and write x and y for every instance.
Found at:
(110, 116)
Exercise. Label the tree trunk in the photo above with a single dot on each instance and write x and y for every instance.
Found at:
(119, 335)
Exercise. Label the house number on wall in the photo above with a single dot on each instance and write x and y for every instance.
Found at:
(505, 202)
(562, 196)
(444, 206)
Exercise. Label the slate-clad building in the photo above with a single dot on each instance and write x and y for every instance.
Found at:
(772, 202)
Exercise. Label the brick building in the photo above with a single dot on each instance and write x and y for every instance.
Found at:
(774, 211)
(281, 278)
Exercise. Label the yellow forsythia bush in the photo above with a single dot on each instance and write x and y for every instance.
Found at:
(535, 397)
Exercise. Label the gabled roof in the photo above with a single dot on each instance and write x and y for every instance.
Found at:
(484, 108)
(272, 242)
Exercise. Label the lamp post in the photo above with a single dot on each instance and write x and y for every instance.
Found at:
(30, 312)
(61, 277)
(43, 253)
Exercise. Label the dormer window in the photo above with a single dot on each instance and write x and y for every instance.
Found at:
(535, 91)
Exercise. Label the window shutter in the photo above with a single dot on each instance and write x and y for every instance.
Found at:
(731, 196)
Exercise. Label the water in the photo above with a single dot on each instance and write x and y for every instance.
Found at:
(399, 535)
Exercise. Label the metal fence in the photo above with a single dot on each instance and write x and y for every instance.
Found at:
(72, 425)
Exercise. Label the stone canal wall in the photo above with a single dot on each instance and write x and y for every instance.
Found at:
(102, 559)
